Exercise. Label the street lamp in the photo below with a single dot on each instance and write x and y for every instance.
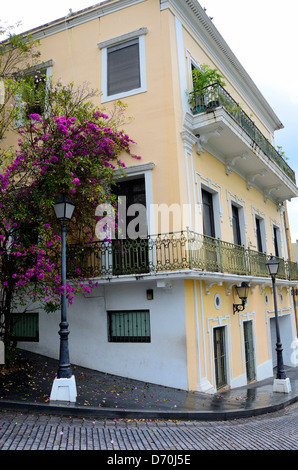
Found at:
(64, 387)
(281, 383)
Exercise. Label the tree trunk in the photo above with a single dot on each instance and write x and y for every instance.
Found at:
(9, 343)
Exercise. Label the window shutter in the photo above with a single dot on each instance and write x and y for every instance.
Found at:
(123, 67)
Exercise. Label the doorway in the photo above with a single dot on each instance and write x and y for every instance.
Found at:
(249, 351)
(130, 255)
(220, 359)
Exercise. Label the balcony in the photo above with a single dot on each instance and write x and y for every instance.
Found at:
(242, 147)
(178, 251)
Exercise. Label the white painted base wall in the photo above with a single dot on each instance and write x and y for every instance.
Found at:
(162, 361)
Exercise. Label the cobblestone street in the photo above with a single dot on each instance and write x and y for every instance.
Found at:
(272, 431)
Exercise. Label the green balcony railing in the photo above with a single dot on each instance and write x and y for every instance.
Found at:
(170, 252)
(215, 95)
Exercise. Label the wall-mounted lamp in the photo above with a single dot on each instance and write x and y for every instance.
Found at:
(149, 294)
(242, 292)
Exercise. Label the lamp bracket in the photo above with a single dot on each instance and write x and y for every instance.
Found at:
(238, 307)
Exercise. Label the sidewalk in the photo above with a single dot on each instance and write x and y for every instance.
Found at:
(103, 395)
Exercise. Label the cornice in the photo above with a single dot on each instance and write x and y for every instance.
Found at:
(73, 19)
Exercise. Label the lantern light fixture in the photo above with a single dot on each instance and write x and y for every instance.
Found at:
(64, 208)
(273, 266)
(242, 292)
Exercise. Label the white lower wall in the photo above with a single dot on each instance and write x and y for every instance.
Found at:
(162, 361)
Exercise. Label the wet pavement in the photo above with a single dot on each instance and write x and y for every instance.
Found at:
(101, 395)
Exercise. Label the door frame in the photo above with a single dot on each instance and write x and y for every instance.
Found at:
(244, 325)
(225, 331)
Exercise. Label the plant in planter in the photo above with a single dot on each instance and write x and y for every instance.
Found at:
(203, 97)
(235, 110)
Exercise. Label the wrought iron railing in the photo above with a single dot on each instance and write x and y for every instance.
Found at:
(170, 252)
(215, 95)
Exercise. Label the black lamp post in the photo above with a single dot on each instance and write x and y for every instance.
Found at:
(273, 266)
(64, 208)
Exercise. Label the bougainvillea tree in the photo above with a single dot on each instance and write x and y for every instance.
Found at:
(72, 149)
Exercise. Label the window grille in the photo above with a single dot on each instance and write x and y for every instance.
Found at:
(26, 326)
(129, 326)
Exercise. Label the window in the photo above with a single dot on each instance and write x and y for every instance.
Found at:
(35, 93)
(277, 241)
(26, 326)
(123, 65)
(208, 216)
(236, 225)
(129, 326)
(37, 81)
(259, 234)
(130, 249)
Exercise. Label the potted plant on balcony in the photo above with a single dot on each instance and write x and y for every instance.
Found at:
(204, 98)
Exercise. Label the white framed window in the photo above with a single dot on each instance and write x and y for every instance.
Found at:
(123, 67)
(237, 215)
(210, 201)
(259, 229)
(260, 234)
(277, 241)
(38, 73)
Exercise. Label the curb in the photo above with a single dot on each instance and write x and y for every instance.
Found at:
(111, 413)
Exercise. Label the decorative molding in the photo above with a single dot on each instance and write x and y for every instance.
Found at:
(262, 215)
(214, 188)
(74, 19)
(189, 140)
(230, 163)
(204, 138)
(281, 312)
(246, 316)
(219, 321)
(134, 169)
(123, 38)
(250, 178)
(239, 202)
(269, 190)
(208, 285)
(43, 65)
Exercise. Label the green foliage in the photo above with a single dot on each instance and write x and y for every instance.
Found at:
(205, 76)
(281, 152)
(17, 53)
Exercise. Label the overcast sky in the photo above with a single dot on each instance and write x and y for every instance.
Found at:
(263, 34)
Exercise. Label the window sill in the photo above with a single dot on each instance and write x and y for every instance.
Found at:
(119, 96)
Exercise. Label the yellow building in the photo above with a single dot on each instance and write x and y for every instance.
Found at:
(215, 192)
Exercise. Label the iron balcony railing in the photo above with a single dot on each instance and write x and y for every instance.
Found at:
(214, 96)
(170, 252)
